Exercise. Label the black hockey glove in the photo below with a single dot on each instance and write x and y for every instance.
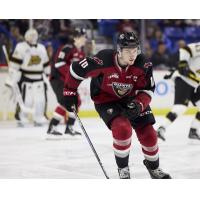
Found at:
(70, 99)
(132, 110)
(183, 69)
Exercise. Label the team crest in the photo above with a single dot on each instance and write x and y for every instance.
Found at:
(97, 60)
(34, 60)
(121, 89)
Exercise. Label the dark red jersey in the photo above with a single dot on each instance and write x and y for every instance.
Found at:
(63, 59)
(110, 82)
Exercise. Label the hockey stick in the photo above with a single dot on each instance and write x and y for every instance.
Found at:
(190, 76)
(168, 76)
(89, 141)
(16, 89)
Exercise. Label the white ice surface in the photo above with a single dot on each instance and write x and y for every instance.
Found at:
(25, 153)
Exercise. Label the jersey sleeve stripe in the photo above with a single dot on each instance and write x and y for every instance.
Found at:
(24, 71)
(16, 60)
(46, 64)
(60, 64)
(188, 50)
(75, 75)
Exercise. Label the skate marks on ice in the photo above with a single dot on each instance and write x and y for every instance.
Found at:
(25, 153)
(180, 154)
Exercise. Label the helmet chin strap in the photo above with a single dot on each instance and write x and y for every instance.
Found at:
(32, 45)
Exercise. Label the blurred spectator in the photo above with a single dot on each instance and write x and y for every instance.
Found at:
(50, 50)
(175, 56)
(192, 22)
(159, 37)
(161, 57)
(127, 25)
(43, 28)
(61, 29)
(150, 29)
(181, 23)
(22, 24)
(15, 32)
(108, 28)
(58, 31)
(148, 50)
(5, 23)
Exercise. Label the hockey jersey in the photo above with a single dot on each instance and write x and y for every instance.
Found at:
(191, 54)
(63, 59)
(31, 60)
(110, 82)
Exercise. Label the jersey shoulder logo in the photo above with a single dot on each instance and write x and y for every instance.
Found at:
(97, 60)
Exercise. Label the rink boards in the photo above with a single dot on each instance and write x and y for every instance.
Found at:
(161, 103)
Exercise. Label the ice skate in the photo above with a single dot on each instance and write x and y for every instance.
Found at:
(124, 173)
(22, 121)
(156, 173)
(193, 134)
(52, 133)
(70, 131)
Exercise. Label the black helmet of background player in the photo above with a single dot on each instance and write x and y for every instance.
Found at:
(127, 40)
(79, 37)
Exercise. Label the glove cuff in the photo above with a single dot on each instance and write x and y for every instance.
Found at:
(141, 105)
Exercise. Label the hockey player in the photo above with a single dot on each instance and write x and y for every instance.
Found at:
(187, 89)
(121, 88)
(28, 64)
(63, 59)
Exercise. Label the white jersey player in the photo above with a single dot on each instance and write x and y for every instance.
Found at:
(28, 64)
(187, 89)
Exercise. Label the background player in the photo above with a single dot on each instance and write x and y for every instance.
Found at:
(187, 90)
(28, 64)
(63, 59)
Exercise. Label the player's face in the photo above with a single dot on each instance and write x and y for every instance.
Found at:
(128, 55)
(82, 40)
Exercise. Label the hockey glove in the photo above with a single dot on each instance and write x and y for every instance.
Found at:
(70, 99)
(183, 69)
(133, 109)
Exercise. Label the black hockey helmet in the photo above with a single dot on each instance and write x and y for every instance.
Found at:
(78, 32)
(127, 40)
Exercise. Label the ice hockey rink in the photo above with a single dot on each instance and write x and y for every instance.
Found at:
(26, 153)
